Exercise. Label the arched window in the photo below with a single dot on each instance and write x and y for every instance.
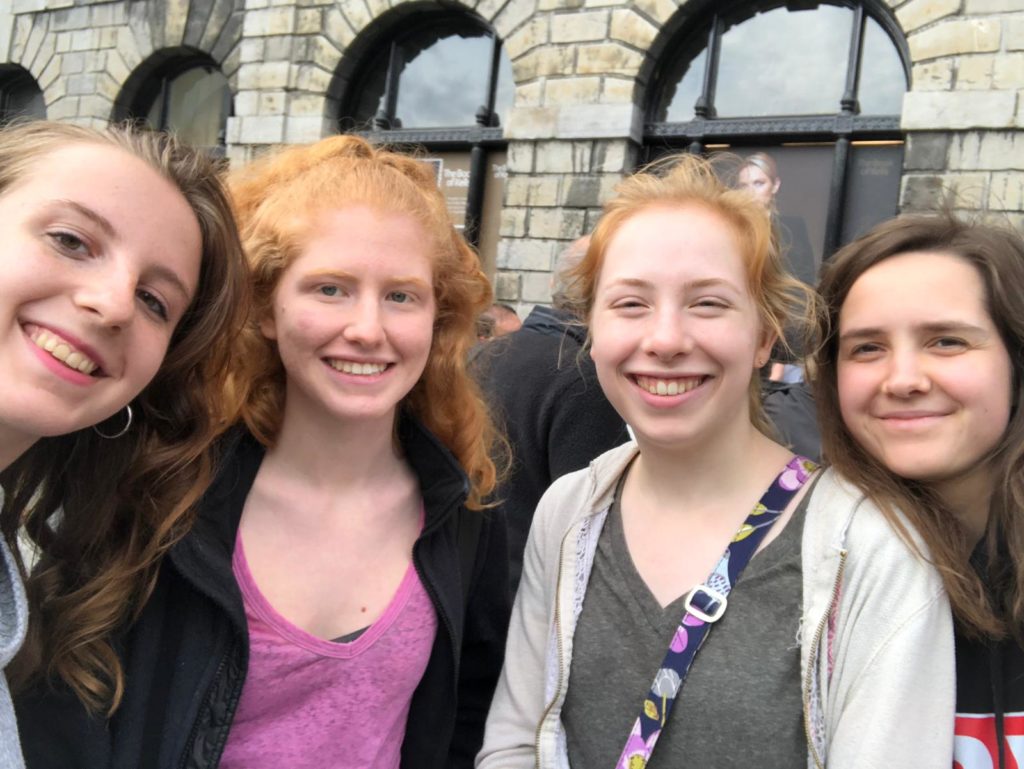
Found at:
(20, 95)
(816, 86)
(443, 83)
(184, 93)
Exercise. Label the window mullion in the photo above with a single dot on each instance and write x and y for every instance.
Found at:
(850, 104)
(705, 106)
(385, 117)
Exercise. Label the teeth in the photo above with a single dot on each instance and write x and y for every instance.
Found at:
(668, 386)
(360, 369)
(62, 351)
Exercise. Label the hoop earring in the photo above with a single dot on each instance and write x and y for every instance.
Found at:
(120, 432)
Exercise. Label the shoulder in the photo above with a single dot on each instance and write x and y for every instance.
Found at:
(842, 519)
(584, 492)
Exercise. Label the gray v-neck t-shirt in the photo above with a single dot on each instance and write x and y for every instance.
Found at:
(740, 705)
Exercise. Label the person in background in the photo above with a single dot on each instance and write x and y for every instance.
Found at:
(636, 562)
(122, 290)
(543, 389)
(506, 320)
(920, 385)
(759, 175)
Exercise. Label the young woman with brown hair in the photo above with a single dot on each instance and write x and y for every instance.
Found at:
(342, 598)
(920, 384)
(122, 284)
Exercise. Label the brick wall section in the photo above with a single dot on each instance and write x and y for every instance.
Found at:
(964, 113)
(576, 124)
(81, 53)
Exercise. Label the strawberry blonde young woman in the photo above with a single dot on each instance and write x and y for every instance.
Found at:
(635, 563)
(121, 288)
(920, 385)
(342, 598)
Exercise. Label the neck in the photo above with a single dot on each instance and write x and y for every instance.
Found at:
(969, 498)
(686, 477)
(334, 453)
(13, 444)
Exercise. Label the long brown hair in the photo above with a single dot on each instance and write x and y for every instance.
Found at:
(101, 513)
(998, 256)
(682, 180)
(276, 200)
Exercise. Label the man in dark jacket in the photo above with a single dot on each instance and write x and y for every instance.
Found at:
(543, 389)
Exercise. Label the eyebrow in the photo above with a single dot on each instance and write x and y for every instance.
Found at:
(940, 327)
(96, 218)
(396, 280)
(689, 285)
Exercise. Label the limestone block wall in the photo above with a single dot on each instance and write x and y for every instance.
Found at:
(580, 69)
(965, 111)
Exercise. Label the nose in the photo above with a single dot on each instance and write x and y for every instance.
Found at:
(906, 376)
(109, 296)
(363, 326)
(667, 335)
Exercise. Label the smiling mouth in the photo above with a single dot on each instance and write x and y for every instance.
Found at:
(358, 369)
(659, 386)
(66, 353)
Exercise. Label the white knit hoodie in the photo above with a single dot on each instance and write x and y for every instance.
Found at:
(876, 633)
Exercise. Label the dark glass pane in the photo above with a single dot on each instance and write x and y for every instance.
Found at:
(882, 79)
(196, 106)
(369, 92)
(683, 94)
(443, 80)
(782, 62)
(872, 186)
(21, 97)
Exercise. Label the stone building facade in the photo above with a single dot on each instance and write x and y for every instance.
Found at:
(583, 71)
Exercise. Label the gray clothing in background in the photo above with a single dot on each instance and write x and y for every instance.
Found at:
(751, 657)
(13, 624)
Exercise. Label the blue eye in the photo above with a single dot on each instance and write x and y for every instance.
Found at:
(329, 290)
(400, 297)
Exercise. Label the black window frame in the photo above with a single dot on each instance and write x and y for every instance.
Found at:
(151, 82)
(485, 135)
(841, 128)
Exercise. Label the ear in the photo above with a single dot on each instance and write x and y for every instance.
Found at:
(268, 326)
(775, 187)
(763, 352)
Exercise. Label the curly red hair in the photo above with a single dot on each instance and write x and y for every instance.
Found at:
(277, 199)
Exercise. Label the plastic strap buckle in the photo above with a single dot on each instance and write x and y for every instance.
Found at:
(712, 606)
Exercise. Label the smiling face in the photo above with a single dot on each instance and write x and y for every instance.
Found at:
(676, 335)
(353, 316)
(101, 260)
(924, 378)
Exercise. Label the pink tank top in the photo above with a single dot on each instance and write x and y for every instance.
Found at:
(312, 703)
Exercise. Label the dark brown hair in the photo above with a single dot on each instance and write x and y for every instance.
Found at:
(998, 256)
(101, 513)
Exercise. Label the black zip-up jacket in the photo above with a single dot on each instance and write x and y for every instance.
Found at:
(185, 659)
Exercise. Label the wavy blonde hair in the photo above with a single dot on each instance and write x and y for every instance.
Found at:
(689, 180)
(102, 513)
(277, 200)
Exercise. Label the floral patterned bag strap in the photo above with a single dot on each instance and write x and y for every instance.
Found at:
(705, 605)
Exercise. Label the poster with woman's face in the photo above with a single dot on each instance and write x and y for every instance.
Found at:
(795, 183)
